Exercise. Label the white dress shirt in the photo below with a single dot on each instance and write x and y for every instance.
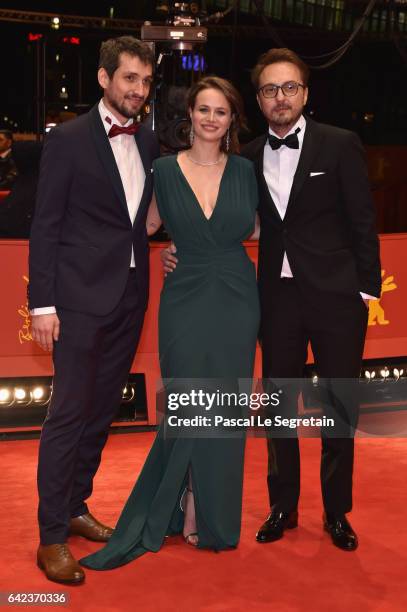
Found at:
(131, 171)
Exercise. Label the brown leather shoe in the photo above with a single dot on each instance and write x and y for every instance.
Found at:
(59, 565)
(88, 527)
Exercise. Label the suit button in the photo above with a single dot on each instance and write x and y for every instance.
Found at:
(285, 232)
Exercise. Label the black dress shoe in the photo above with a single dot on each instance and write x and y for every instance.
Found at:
(341, 532)
(273, 528)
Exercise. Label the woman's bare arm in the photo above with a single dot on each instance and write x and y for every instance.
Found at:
(153, 222)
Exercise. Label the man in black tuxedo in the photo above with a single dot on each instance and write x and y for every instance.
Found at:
(88, 289)
(318, 267)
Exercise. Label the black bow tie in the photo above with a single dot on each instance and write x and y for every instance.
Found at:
(290, 141)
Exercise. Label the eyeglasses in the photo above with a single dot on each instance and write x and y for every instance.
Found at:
(289, 89)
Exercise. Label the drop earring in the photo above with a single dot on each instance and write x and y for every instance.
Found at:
(191, 136)
(227, 141)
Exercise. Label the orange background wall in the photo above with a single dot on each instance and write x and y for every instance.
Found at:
(20, 356)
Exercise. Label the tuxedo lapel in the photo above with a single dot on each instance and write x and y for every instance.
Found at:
(105, 154)
(263, 187)
(310, 148)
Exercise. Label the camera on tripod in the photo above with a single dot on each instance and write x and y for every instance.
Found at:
(181, 62)
(181, 13)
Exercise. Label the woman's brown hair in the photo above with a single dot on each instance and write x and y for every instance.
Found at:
(235, 102)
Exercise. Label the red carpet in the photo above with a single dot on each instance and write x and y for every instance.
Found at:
(303, 571)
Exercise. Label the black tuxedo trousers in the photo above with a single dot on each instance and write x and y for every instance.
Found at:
(336, 330)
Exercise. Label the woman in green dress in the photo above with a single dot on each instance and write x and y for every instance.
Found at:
(208, 323)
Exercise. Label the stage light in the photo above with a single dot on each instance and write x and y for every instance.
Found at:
(370, 375)
(19, 394)
(128, 393)
(49, 127)
(385, 372)
(315, 380)
(37, 393)
(5, 395)
(55, 23)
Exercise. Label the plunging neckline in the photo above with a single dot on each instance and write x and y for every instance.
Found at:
(207, 219)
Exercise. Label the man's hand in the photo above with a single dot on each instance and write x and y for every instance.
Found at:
(45, 329)
(168, 258)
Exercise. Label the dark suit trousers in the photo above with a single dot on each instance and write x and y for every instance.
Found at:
(336, 328)
(92, 359)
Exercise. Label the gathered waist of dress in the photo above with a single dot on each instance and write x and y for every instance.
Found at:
(189, 254)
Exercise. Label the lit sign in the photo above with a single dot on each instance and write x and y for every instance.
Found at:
(193, 62)
(71, 40)
(33, 37)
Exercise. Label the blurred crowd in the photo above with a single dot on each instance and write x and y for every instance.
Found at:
(19, 167)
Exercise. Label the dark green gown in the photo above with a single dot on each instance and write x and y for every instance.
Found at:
(208, 324)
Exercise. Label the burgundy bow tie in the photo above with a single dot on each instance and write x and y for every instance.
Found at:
(115, 130)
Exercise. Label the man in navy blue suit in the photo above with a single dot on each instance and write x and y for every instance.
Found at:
(89, 289)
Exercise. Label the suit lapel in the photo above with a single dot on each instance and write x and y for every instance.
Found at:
(145, 158)
(310, 148)
(105, 153)
(146, 161)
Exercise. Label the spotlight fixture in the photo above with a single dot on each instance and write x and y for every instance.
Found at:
(5, 396)
(49, 127)
(24, 402)
(20, 394)
(55, 23)
(129, 393)
(370, 375)
(37, 393)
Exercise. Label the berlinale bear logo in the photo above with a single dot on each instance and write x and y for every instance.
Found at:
(376, 310)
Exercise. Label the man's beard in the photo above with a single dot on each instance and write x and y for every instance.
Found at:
(124, 110)
(284, 120)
